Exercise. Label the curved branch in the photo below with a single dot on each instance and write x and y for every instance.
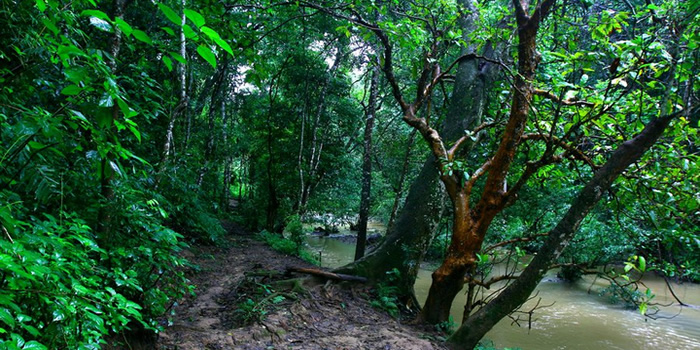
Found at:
(566, 102)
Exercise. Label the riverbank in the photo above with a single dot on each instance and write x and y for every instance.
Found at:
(314, 315)
(574, 311)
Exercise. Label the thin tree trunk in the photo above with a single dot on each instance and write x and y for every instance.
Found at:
(181, 107)
(300, 164)
(216, 92)
(367, 164)
(316, 145)
(402, 178)
(104, 217)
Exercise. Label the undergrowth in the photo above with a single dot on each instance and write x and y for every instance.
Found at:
(286, 246)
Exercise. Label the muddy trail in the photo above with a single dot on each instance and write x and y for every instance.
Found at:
(246, 300)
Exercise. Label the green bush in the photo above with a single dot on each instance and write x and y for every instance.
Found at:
(64, 286)
(285, 246)
(296, 232)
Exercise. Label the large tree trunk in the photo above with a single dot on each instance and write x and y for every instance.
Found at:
(367, 164)
(478, 324)
(418, 218)
(472, 223)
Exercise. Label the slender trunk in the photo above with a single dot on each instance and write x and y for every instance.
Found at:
(181, 107)
(316, 144)
(300, 164)
(478, 324)
(398, 191)
(104, 218)
(216, 94)
(367, 164)
(272, 200)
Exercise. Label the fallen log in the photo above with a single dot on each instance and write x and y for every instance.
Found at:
(327, 274)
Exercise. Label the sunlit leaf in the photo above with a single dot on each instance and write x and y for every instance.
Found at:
(207, 54)
(142, 36)
(170, 14)
(195, 17)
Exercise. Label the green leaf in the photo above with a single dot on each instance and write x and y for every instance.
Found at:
(71, 90)
(123, 26)
(142, 36)
(52, 27)
(642, 264)
(6, 317)
(168, 62)
(101, 24)
(58, 315)
(224, 45)
(189, 33)
(168, 30)
(207, 54)
(78, 115)
(96, 13)
(211, 33)
(41, 5)
(126, 110)
(195, 17)
(214, 36)
(34, 345)
(170, 14)
(106, 101)
(116, 168)
(35, 145)
(178, 57)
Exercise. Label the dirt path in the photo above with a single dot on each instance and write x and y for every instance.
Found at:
(324, 316)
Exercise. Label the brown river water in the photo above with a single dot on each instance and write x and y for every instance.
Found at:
(578, 319)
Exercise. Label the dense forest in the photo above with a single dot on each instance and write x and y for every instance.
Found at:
(563, 133)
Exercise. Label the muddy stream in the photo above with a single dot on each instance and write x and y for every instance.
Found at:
(578, 319)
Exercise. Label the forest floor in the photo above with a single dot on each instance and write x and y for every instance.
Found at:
(315, 315)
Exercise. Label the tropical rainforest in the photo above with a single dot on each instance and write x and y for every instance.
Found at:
(550, 135)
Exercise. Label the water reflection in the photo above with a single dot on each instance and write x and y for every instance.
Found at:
(578, 320)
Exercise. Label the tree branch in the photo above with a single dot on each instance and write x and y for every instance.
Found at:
(566, 102)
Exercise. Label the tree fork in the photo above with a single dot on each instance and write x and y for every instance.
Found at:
(478, 324)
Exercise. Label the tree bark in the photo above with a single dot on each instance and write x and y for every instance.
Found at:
(367, 164)
(104, 217)
(216, 92)
(312, 178)
(408, 239)
(398, 190)
(471, 223)
(181, 107)
(478, 324)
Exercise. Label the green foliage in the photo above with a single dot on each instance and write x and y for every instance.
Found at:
(278, 242)
(446, 327)
(386, 295)
(296, 232)
(62, 289)
(262, 298)
(286, 246)
(488, 345)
